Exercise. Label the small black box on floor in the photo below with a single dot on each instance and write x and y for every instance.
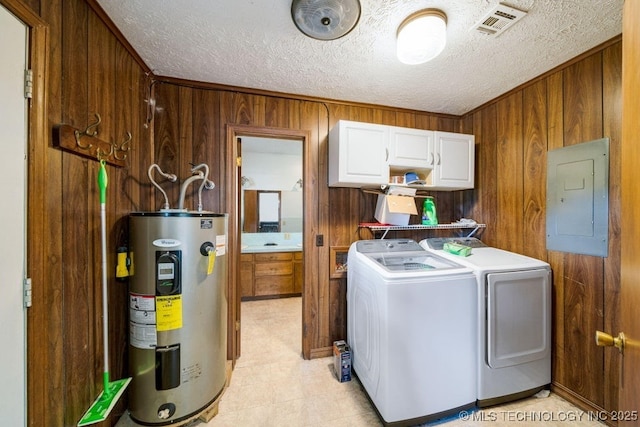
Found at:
(342, 360)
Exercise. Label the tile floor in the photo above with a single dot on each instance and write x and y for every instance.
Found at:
(273, 386)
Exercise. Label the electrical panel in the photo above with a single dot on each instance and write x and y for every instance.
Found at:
(578, 198)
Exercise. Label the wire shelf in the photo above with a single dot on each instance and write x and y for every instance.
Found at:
(387, 228)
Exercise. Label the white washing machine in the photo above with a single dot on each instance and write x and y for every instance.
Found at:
(411, 319)
(514, 319)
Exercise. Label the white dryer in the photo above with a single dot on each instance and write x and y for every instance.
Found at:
(411, 326)
(514, 319)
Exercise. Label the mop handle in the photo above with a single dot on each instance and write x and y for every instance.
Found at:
(102, 184)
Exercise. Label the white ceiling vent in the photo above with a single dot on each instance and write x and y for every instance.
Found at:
(499, 19)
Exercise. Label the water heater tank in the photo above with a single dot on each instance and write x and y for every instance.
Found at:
(177, 314)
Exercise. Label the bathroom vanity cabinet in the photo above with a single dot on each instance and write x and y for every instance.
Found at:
(270, 274)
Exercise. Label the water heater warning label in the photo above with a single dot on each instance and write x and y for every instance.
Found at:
(143, 336)
(142, 321)
(169, 312)
(142, 309)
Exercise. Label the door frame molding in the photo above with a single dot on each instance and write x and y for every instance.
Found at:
(37, 144)
(233, 132)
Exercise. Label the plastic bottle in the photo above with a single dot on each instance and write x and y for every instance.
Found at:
(429, 216)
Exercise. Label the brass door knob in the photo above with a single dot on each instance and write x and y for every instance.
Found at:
(605, 340)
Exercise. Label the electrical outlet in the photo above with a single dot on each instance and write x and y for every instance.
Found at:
(319, 240)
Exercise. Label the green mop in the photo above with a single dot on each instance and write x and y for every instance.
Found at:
(102, 406)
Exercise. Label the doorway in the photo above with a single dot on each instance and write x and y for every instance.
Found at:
(271, 234)
(13, 136)
(285, 224)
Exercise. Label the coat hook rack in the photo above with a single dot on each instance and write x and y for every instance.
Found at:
(87, 144)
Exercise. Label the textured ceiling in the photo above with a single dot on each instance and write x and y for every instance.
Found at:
(255, 44)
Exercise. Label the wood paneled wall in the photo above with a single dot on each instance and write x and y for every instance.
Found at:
(578, 103)
(91, 71)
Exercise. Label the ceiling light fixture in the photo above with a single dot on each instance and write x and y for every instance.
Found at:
(422, 36)
(325, 19)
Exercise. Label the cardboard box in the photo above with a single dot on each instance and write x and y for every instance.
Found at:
(395, 210)
(342, 360)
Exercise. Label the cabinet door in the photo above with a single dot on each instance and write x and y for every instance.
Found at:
(246, 275)
(298, 272)
(273, 273)
(358, 154)
(411, 148)
(454, 161)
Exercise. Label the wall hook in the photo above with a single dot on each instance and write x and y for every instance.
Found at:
(104, 156)
(91, 130)
(123, 148)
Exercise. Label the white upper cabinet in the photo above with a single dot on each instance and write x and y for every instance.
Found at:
(454, 162)
(366, 155)
(358, 154)
(410, 148)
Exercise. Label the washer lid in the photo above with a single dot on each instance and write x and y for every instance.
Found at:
(412, 262)
(390, 246)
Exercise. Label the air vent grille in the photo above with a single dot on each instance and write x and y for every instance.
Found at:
(505, 15)
(499, 19)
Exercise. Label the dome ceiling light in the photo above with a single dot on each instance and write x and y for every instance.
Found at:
(325, 19)
(422, 36)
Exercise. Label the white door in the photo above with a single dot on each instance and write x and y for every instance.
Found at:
(13, 45)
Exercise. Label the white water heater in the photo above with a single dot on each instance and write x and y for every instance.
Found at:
(178, 314)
